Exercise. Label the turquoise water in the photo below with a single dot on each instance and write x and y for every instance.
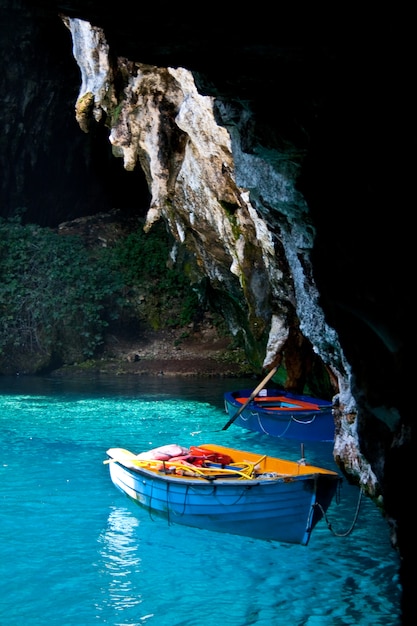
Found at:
(75, 551)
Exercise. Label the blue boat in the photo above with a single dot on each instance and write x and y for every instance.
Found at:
(279, 413)
(221, 489)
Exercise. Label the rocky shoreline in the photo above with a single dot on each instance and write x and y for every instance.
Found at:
(167, 353)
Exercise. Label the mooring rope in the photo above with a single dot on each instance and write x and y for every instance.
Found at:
(355, 519)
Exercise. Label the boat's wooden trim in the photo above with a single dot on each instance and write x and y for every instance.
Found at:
(282, 403)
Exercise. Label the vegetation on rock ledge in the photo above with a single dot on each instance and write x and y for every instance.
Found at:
(60, 297)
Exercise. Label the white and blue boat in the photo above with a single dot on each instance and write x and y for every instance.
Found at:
(221, 489)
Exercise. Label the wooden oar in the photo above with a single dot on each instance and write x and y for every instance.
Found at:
(251, 397)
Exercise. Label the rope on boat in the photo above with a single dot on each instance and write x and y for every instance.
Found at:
(291, 419)
(355, 519)
(170, 507)
(243, 471)
(303, 421)
(264, 429)
(150, 504)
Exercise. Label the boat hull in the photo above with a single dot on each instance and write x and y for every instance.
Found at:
(285, 509)
(288, 422)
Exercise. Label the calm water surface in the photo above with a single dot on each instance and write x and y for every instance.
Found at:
(75, 551)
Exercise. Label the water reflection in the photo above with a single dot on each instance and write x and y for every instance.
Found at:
(121, 559)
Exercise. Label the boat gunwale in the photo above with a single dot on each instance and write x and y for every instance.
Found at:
(287, 411)
(266, 478)
(311, 405)
(227, 481)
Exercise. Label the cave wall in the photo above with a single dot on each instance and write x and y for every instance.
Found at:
(51, 172)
